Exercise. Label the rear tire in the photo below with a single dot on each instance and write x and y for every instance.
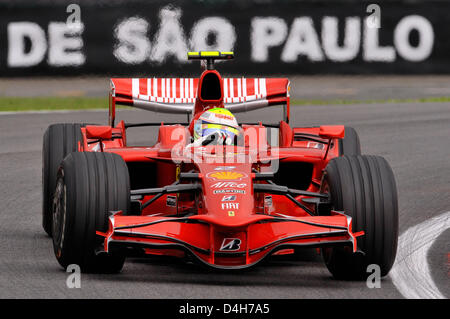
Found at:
(89, 186)
(350, 144)
(364, 188)
(59, 141)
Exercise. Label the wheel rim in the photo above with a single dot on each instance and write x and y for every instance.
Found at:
(59, 214)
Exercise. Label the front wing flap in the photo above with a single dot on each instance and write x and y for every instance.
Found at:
(215, 244)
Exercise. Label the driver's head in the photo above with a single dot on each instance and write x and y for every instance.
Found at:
(217, 120)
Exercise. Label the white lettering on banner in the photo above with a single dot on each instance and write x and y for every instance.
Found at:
(352, 38)
(426, 38)
(64, 44)
(372, 50)
(170, 39)
(17, 33)
(133, 46)
(266, 33)
(302, 40)
(294, 41)
(221, 29)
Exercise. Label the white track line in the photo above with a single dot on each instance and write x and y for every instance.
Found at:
(411, 272)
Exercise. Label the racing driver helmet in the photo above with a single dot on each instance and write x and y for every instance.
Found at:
(218, 125)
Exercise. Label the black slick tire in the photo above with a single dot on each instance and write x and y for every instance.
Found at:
(89, 186)
(364, 188)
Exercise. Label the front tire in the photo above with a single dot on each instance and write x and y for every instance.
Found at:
(89, 186)
(350, 144)
(59, 141)
(364, 188)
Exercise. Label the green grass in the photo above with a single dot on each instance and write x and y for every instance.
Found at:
(85, 103)
(52, 103)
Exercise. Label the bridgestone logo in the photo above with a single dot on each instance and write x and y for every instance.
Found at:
(231, 244)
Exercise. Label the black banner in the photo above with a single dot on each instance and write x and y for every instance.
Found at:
(224, 308)
(138, 38)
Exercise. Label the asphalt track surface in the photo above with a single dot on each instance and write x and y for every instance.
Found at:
(414, 138)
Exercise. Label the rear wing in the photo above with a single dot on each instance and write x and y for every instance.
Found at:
(178, 95)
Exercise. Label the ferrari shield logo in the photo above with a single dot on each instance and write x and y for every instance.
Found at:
(230, 244)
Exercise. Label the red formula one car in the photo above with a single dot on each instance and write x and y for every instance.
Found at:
(225, 203)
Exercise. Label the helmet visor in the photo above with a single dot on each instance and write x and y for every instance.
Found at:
(203, 128)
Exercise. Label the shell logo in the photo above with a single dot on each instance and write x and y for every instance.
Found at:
(226, 175)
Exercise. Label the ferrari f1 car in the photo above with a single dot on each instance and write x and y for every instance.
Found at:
(224, 205)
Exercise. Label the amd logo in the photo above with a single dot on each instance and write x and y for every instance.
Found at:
(229, 198)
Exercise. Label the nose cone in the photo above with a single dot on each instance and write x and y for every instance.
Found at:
(228, 191)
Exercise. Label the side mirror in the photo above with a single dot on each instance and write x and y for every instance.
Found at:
(332, 131)
(99, 132)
